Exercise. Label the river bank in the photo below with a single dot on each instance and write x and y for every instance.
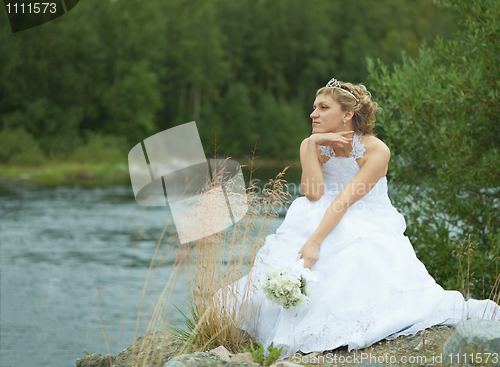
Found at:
(421, 349)
(75, 173)
(55, 173)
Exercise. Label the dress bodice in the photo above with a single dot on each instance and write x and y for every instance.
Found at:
(338, 171)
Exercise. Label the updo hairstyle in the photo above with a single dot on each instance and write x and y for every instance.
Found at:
(364, 118)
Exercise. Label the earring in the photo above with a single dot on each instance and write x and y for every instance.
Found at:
(344, 122)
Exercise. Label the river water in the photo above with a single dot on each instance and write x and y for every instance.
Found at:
(74, 261)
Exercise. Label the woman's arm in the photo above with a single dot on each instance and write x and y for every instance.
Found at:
(374, 167)
(312, 184)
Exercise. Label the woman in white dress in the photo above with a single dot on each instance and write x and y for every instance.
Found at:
(370, 285)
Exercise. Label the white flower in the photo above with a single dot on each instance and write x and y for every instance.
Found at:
(284, 289)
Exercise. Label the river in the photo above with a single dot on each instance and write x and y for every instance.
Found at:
(74, 260)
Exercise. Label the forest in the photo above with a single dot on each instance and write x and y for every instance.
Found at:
(90, 85)
(93, 83)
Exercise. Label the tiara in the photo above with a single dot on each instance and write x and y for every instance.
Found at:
(334, 83)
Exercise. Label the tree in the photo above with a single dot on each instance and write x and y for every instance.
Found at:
(441, 122)
(238, 115)
(129, 69)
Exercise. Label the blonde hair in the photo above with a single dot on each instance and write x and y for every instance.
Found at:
(364, 117)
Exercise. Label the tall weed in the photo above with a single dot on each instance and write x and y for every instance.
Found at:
(219, 260)
(211, 265)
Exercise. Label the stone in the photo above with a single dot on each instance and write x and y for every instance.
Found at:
(181, 358)
(286, 364)
(222, 352)
(96, 360)
(473, 339)
(247, 357)
(314, 358)
(369, 364)
(174, 364)
(425, 342)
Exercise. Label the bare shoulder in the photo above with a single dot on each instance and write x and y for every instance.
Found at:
(375, 147)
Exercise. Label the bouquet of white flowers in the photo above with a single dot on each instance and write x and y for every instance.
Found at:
(285, 290)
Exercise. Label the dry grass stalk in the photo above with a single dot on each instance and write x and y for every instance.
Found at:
(143, 353)
(212, 264)
(217, 261)
(466, 249)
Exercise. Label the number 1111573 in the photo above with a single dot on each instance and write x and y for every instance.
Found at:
(31, 8)
(473, 358)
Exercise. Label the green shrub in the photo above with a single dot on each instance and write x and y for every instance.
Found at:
(18, 147)
(101, 148)
(441, 122)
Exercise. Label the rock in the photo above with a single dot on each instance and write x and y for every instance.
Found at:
(247, 357)
(314, 358)
(369, 364)
(473, 339)
(181, 358)
(223, 353)
(153, 349)
(174, 364)
(286, 364)
(95, 360)
(420, 345)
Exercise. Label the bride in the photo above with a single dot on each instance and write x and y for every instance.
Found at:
(369, 285)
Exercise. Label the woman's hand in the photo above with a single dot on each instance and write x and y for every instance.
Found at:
(310, 253)
(336, 140)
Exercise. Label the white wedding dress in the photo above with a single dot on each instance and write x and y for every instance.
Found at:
(370, 286)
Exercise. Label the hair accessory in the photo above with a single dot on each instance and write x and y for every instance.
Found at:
(334, 83)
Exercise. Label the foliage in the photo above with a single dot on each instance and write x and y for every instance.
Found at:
(19, 147)
(245, 71)
(185, 330)
(131, 103)
(441, 122)
(100, 148)
(258, 354)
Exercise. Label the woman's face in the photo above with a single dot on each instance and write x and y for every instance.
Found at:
(327, 116)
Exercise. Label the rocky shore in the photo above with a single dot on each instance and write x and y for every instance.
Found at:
(426, 348)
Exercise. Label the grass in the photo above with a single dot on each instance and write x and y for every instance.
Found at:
(211, 265)
(66, 172)
(219, 260)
